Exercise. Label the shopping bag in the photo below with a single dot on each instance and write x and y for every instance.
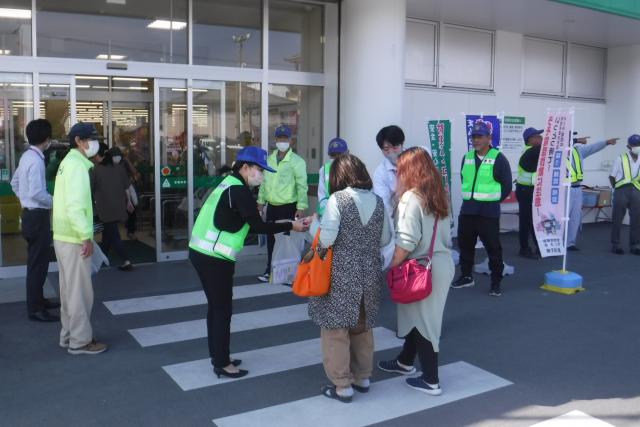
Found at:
(313, 278)
(133, 195)
(287, 253)
(97, 259)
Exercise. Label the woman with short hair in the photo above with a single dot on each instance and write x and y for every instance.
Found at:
(354, 224)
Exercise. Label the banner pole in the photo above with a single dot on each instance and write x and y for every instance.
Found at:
(568, 197)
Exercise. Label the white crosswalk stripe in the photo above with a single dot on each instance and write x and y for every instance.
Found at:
(198, 373)
(186, 299)
(194, 329)
(386, 400)
(573, 419)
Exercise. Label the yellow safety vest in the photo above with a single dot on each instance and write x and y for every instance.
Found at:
(325, 171)
(575, 173)
(626, 170)
(206, 238)
(526, 178)
(479, 183)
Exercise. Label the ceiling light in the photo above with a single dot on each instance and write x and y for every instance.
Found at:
(130, 79)
(92, 78)
(15, 13)
(5, 52)
(58, 85)
(100, 87)
(122, 2)
(111, 57)
(20, 84)
(82, 86)
(162, 24)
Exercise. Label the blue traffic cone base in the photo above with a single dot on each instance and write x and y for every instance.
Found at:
(563, 282)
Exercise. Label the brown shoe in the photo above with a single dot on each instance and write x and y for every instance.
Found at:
(92, 348)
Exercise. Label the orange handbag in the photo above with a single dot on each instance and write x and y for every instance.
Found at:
(313, 278)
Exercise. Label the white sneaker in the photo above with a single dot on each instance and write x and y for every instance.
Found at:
(265, 278)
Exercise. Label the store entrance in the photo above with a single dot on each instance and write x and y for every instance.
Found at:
(121, 108)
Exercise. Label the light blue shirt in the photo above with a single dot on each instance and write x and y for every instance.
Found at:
(586, 150)
(29, 182)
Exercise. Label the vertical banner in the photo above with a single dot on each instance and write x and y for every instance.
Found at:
(512, 143)
(493, 122)
(440, 138)
(550, 194)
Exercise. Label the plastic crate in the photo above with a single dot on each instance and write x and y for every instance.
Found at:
(590, 198)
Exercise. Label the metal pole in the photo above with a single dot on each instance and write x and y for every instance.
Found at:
(568, 197)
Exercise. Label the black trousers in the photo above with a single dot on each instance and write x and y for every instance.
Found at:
(415, 343)
(524, 194)
(276, 213)
(36, 230)
(132, 225)
(472, 227)
(216, 277)
(111, 237)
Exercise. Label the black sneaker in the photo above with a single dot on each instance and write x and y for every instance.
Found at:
(635, 251)
(573, 248)
(463, 282)
(617, 251)
(394, 367)
(421, 385)
(495, 291)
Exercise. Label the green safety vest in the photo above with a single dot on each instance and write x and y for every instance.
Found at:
(206, 238)
(575, 173)
(478, 183)
(526, 178)
(626, 170)
(325, 171)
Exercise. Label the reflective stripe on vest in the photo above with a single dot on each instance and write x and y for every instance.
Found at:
(526, 178)
(626, 173)
(210, 241)
(327, 169)
(576, 174)
(480, 184)
(322, 203)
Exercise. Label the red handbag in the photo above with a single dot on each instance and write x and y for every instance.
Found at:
(411, 281)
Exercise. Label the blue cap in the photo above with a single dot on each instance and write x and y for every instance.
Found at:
(283, 131)
(338, 146)
(255, 155)
(480, 129)
(529, 132)
(634, 139)
(83, 131)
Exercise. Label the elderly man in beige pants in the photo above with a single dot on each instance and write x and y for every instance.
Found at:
(73, 241)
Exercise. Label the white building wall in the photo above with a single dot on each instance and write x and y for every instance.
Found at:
(421, 105)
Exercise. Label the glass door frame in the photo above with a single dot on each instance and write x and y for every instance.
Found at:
(159, 84)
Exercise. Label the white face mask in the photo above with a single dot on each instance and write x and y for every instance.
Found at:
(116, 159)
(635, 150)
(283, 146)
(256, 178)
(94, 146)
(393, 156)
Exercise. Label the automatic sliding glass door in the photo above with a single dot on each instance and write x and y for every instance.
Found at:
(172, 202)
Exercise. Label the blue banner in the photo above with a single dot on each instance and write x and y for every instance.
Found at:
(494, 125)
